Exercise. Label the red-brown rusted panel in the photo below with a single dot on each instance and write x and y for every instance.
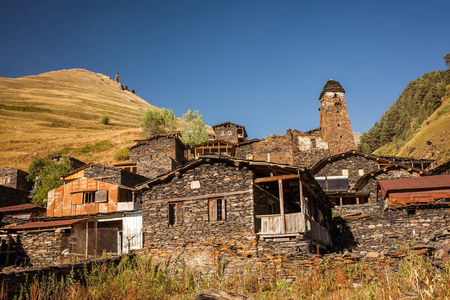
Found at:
(419, 197)
(103, 207)
(46, 224)
(436, 182)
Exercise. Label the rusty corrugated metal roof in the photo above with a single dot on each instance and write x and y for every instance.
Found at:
(437, 182)
(47, 224)
(419, 197)
(21, 207)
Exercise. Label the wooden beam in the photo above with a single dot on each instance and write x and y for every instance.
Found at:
(281, 196)
(276, 178)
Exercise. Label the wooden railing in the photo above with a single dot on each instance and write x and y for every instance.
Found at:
(295, 223)
(318, 232)
(271, 224)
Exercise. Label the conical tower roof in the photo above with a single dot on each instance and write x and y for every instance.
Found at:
(331, 86)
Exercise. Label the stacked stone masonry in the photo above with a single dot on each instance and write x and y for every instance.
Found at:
(334, 119)
(14, 178)
(392, 231)
(112, 175)
(10, 196)
(157, 156)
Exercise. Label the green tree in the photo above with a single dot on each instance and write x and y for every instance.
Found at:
(415, 104)
(46, 176)
(447, 60)
(157, 121)
(194, 131)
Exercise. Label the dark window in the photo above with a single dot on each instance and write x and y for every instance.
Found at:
(333, 183)
(217, 209)
(125, 195)
(338, 184)
(176, 213)
(88, 197)
(313, 143)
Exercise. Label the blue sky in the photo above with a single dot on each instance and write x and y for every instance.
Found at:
(261, 64)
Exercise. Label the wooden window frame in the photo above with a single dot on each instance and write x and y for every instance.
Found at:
(175, 213)
(101, 196)
(217, 209)
(121, 193)
(89, 197)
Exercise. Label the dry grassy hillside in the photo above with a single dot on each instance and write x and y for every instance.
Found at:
(432, 139)
(61, 111)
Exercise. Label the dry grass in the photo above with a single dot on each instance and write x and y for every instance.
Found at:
(62, 109)
(140, 278)
(52, 111)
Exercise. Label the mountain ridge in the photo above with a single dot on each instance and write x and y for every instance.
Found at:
(45, 113)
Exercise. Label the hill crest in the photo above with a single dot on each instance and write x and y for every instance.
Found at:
(45, 113)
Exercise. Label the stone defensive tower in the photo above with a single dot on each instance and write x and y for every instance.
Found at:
(334, 120)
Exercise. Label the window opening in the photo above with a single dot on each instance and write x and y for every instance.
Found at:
(176, 213)
(217, 209)
(88, 197)
(313, 143)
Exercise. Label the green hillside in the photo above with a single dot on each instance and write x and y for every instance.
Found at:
(417, 124)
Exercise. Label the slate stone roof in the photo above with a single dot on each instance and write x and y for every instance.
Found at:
(331, 86)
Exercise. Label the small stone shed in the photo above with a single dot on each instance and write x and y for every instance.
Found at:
(234, 209)
(430, 191)
(157, 155)
(351, 177)
(14, 178)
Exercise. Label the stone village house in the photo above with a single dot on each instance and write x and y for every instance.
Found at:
(96, 210)
(351, 177)
(236, 209)
(249, 203)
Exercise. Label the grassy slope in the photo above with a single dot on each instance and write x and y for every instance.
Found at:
(63, 109)
(431, 141)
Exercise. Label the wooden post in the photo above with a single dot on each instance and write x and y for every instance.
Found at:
(8, 248)
(357, 200)
(283, 223)
(302, 204)
(96, 236)
(87, 239)
(340, 200)
(302, 201)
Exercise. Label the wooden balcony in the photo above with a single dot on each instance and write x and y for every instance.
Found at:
(295, 224)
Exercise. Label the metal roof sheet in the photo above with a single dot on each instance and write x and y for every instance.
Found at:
(437, 182)
(47, 224)
(21, 207)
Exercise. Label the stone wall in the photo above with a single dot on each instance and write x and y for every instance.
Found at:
(158, 165)
(293, 148)
(14, 279)
(196, 237)
(112, 175)
(227, 133)
(157, 156)
(244, 151)
(335, 122)
(10, 196)
(41, 248)
(392, 231)
(370, 185)
(353, 164)
(274, 148)
(14, 178)
(308, 148)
